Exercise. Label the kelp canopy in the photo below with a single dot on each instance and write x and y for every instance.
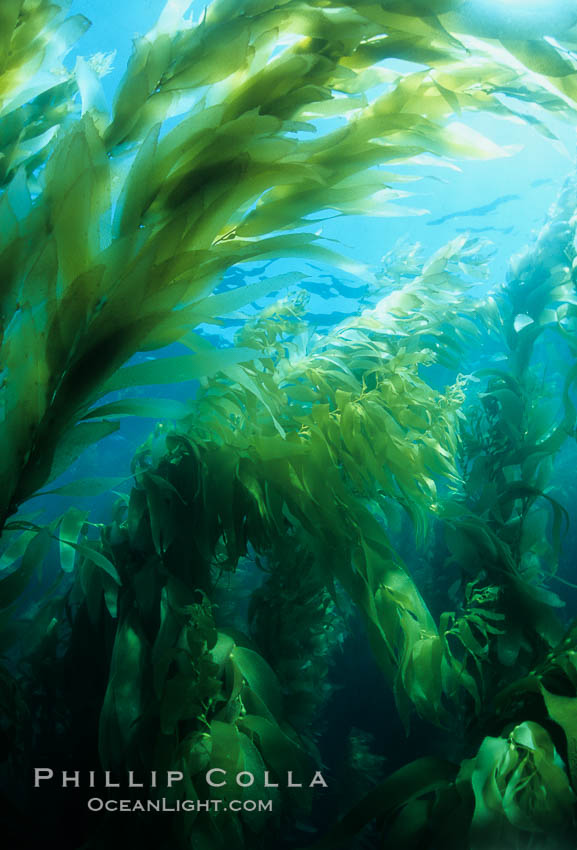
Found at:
(115, 246)
(301, 452)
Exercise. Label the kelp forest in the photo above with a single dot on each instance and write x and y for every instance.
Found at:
(339, 566)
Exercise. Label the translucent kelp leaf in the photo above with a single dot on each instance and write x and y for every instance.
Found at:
(562, 710)
(137, 188)
(8, 20)
(157, 408)
(76, 441)
(175, 370)
(13, 585)
(254, 764)
(260, 678)
(160, 496)
(221, 651)
(540, 56)
(226, 749)
(15, 549)
(68, 532)
(146, 66)
(227, 302)
(278, 750)
(78, 174)
(98, 559)
(91, 92)
(122, 706)
(83, 488)
(522, 320)
(517, 785)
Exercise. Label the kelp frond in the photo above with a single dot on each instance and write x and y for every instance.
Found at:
(133, 221)
(36, 91)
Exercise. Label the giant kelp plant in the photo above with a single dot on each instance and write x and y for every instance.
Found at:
(302, 451)
(121, 239)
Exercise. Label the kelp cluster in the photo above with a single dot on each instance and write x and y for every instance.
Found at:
(503, 532)
(301, 450)
(118, 244)
(327, 441)
(36, 91)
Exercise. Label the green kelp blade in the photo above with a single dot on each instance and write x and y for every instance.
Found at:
(69, 531)
(260, 678)
(410, 782)
(226, 751)
(9, 14)
(541, 57)
(75, 441)
(123, 702)
(253, 763)
(153, 408)
(278, 750)
(14, 584)
(91, 93)
(519, 490)
(411, 826)
(228, 302)
(563, 710)
(137, 188)
(98, 559)
(162, 653)
(16, 548)
(85, 488)
(175, 370)
(161, 498)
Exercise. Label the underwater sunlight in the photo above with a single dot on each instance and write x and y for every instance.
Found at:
(288, 425)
